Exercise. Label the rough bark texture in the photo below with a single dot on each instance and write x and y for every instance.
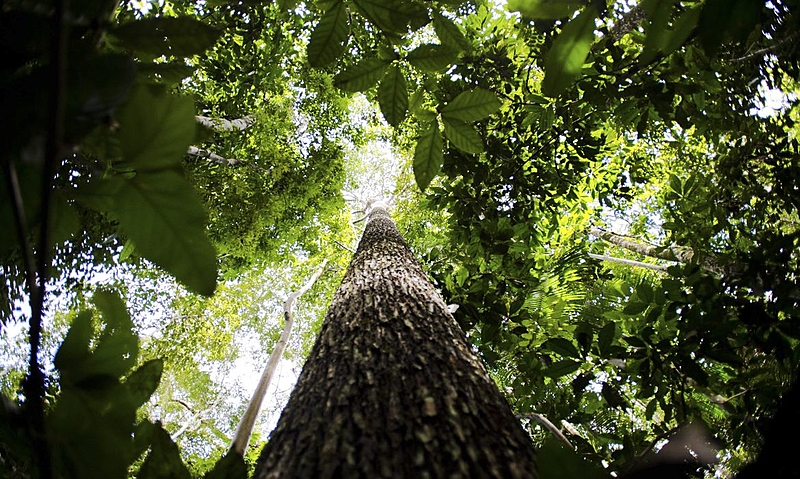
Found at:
(392, 388)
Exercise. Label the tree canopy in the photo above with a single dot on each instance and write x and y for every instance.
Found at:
(606, 190)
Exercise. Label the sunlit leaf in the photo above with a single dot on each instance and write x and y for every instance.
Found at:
(565, 59)
(155, 128)
(329, 38)
(432, 57)
(562, 368)
(428, 156)
(449, 33)
(472, 105)
(463, 135)
(545, 9)
(363, 75)
(393, 96)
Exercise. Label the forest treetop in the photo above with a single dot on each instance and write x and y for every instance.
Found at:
(547, 139)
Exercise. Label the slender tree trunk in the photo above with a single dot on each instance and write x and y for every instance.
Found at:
(391, 387)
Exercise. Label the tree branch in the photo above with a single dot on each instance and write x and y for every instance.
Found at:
(629, 262)
(208, 154)
(245, 429)
(221, 124)
(549, 425)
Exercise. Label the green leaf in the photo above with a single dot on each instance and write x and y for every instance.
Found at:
(428, 156)
(393, 96)
(363, 75)
(472, 105)
(118, 346)
(606, 337)
(635, 307)
(545, 9)
(449, 34)
(177, 36)
(432, 58)
(164, 460)
(463, 136)
(565, 59)
(169, 73)
(155, 129)
(393, 16)
(142, 383)
(230, 466)
(557, 461)
(329, 38)
(162, 215)
(562, 368)
(562, 346)
(75, 347)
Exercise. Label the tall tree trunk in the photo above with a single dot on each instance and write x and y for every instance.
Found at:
(391, 387)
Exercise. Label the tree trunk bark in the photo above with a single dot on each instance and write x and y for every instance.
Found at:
(391, 387)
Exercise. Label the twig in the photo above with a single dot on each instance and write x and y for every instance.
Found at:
(344, 246)
(549, 425)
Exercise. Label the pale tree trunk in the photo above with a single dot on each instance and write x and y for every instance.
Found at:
(245, 429)
(391, 387)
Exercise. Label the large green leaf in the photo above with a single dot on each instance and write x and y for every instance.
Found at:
(393, 96)
(556, 461)
(562, 368)
(363, 75)
(155, 128)
(393, 16)
(449, 34)
(565, 59)
(164, 218)
(562, 346)
(329, 38)
(432, 57)
(472, 105)
(178, 36)
(545, 9)
(463, 135)
(428, 156)
(164, 460)
(142, 383)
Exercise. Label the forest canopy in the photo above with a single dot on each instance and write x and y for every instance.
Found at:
(605, 191)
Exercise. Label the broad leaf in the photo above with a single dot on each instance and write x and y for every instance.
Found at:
(177, 36)
(155, 129)
(142, 383)
(449, 34)
(230, 466)
(556, 461)
(472, 105)
(428, 156)
(463, 135)
(432, 58)
(393, 16)
(329, 38)
(545, 9)
(393, 96)
(562, 368)
(161, 214)
(565, 59)
(169, 73)
(164, 459)
(562, 346)
(363, 75)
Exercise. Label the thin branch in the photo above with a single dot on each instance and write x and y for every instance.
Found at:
(628, 262)
(245, 429)
(208, 154)
(221, 124)
(771, 48)
(344, 246)
(549, 425)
